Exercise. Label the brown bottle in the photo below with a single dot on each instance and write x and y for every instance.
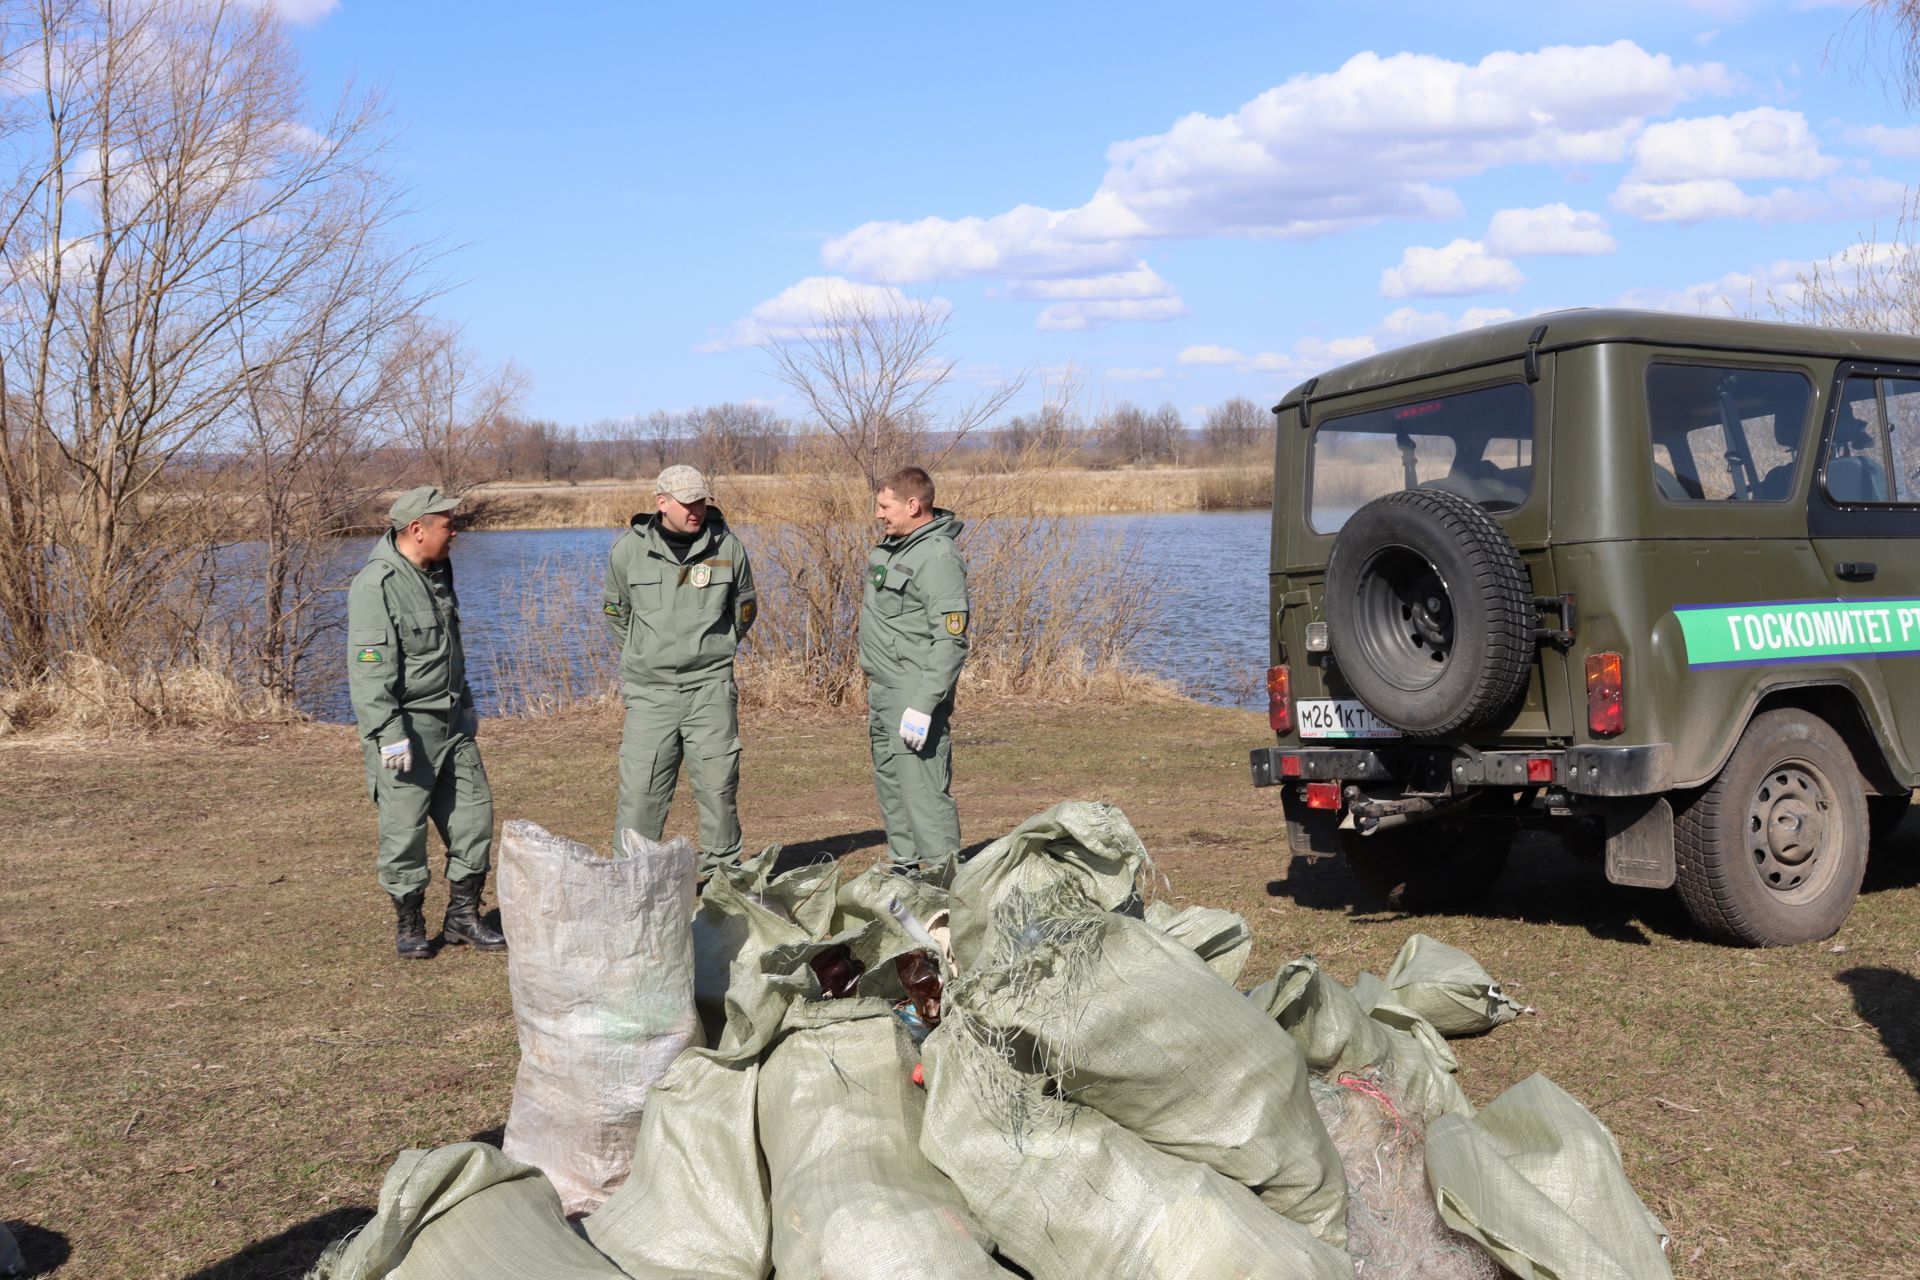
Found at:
(921, 977)
(838, 971)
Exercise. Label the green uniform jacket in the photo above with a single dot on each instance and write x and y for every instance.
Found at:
(678, 624)
(403, 643)
(913, 619)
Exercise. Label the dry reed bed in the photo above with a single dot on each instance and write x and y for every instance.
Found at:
(765, 499)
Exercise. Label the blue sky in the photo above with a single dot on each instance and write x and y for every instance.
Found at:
(1181, 203)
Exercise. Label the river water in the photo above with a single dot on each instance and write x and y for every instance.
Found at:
(1206, 573)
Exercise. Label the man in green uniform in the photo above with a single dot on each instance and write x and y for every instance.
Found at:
(913, 641)
(679, 598)
(407, 673)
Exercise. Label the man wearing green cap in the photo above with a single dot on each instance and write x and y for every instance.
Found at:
(679, 598)
(408, 677)
(913, 642)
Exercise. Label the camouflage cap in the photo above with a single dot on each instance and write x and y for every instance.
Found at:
(414, 503)
(683, 484)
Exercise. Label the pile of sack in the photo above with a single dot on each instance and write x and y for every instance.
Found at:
(1030, 1070)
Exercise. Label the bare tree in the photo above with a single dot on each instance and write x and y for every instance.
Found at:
(171, 203)
(874, 380)
(1236, 426)
(1889, 33)
(733, 438)
(448, 404)
(1873, 284)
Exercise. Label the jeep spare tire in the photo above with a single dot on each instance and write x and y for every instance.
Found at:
(1429, 613)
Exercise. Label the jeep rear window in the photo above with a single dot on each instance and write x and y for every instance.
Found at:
(1476, 443)
(1724, 434)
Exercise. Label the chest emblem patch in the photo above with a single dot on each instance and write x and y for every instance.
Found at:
(701, 575)
(879, 576)
(367, 655)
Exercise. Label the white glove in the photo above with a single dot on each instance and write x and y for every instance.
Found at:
(398, 757)
(914, 727)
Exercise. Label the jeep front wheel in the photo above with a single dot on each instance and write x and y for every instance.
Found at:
(1442, 865)
(1772, 851)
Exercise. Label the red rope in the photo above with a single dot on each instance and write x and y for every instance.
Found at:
(1366, 1087)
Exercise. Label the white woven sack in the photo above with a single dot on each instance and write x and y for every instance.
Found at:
(600, 965)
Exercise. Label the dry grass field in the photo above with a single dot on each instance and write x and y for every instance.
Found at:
(755, 499)
(210, 1055)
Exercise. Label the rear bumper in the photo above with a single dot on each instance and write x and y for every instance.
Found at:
(1452, 770)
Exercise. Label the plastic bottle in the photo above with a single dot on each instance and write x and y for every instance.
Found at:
(838, 971)
(921, 977)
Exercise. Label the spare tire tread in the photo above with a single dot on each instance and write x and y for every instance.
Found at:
(1500, 581)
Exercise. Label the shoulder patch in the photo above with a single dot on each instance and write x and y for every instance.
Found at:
(956, 624)
(368, 655)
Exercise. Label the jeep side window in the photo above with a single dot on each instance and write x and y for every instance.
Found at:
(1874, 455)
(1476, 443)
(1855, 468)
(1724, 434)
(1903, 432)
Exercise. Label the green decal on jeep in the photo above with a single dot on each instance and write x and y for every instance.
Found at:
(1739, 634)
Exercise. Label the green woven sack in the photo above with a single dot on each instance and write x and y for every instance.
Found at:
(840, 1124)
(1221, 938)
(1085, 843)
(1068, 1193)
(695, 1205)
(1338, 1036)
(1448, 988)
(1537, 1180)
(463, 1211)
(1133, 1024)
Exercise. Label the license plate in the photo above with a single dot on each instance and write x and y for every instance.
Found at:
(1339, 718)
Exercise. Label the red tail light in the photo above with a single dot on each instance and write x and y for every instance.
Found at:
(1280, 699)
(1606, 695)
(1323, 795)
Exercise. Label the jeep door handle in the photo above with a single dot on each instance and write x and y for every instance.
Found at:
(1856, 568)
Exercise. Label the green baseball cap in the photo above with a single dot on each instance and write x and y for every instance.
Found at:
(414, 503)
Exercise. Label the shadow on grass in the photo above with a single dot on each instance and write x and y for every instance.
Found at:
(1890, 1000)
(42, 1250)
(290, 1254)
(1544, 882)
(805, 853)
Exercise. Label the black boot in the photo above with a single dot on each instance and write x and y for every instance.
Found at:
(463, 922)
(410, 928)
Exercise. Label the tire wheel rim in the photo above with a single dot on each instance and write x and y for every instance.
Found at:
(1791, 830)
(1406, 620)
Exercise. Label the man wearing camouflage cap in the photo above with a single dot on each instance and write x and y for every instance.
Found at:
(407, 674)
(679, 598)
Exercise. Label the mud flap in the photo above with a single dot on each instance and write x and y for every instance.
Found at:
(1311, 833)
(1640, 842)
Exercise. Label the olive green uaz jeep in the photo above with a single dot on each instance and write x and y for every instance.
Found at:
(1651, 574)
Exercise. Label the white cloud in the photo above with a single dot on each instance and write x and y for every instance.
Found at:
(1887, 140)
(1074, 316)
(1026, 241)
(1765, 142)
(809, 309)
(1552, 228)
(1207, 354)
(1701, 200)
(1311, 356)
(1372, 140)
(1461, 266)
(1140, 282)
(1757, 291)
(1155, 374)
